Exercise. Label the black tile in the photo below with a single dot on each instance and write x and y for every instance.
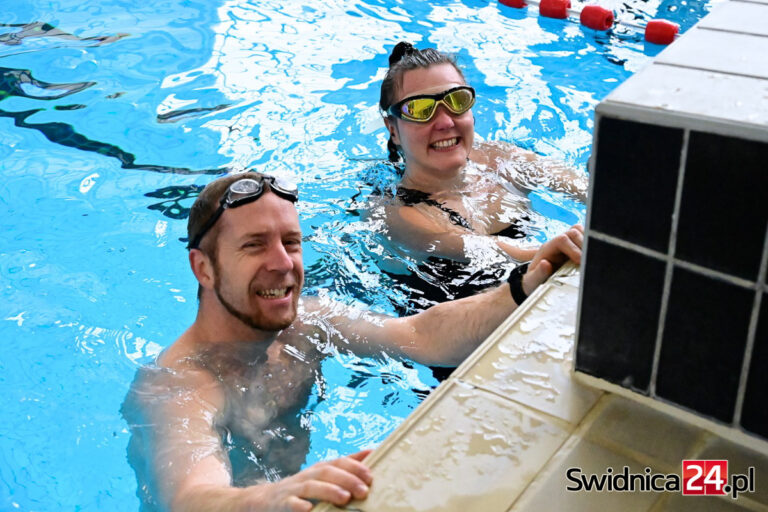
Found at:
(702, 347)
(724, 204)
(754, 414)
(635, 178)
(619, 314)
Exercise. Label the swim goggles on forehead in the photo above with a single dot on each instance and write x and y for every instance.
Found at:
(421, 109)
(246, 191)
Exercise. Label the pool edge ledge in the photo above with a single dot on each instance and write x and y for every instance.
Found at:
(538, 433)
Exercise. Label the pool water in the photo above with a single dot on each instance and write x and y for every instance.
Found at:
(113, 114)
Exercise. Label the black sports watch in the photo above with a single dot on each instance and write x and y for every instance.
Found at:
(515, 281)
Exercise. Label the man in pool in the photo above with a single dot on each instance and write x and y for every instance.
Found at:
(215, 424)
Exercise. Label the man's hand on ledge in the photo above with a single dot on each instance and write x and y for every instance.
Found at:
(552, 255)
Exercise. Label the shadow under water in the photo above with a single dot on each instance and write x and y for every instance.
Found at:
(21, 83)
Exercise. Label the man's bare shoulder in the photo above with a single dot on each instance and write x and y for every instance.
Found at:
(179, 369)
(179, 355)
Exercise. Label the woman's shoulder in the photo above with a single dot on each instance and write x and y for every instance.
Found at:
(404, 213)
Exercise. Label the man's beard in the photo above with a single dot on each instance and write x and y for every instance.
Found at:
(256, 320)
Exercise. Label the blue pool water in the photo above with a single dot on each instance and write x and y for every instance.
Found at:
(112, 113)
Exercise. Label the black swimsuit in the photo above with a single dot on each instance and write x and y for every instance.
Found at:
(412, 197)
(440, 279)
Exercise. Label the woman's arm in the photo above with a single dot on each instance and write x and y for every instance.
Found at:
(528, 171)
(432, 236)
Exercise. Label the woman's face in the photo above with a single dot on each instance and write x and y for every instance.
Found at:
(441, 146)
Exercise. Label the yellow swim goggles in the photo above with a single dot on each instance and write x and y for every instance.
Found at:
(422, 108)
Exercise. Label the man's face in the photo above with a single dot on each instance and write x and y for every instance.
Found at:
(259, 270)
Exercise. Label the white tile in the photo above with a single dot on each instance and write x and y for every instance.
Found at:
(568, 274)
(548, 492)
(532, 361)
(714, 50)
(645, 434)
(680, 503)
(749, 17)
(568, 280)
(739, 460)
(683, 97)
(471, 451)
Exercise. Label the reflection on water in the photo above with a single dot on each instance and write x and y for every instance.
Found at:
(172, 196)
(174, 116)
(21, 83)
(39, 29)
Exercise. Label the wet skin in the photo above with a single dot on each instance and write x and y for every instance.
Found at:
(486, 185)
(251, 357)
(437, 150)
(259, 272)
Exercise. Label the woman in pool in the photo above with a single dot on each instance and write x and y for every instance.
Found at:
(457, 204)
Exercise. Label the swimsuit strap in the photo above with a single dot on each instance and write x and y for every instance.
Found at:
(514, 230)
(412, 197)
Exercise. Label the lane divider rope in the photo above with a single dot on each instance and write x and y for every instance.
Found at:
(597, 17)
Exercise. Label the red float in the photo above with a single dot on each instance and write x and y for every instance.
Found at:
(554, 8)
(661, 31)
(513, 3)
(596, 17)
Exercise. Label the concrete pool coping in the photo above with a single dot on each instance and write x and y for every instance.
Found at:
(503, 431)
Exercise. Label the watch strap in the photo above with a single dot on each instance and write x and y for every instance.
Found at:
(515, 281)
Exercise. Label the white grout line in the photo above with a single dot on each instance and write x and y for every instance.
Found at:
(716, 274)
(732, 31)
(627, 245)
(672, 246)
(752, 334)
(540, 414)
(693, 267)
(749, 2)
(708, 70)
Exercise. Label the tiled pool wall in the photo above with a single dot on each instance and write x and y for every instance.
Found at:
(674, 298)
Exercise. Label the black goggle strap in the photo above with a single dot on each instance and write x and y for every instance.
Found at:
(227, 202)
(286, 191)
(195, 244)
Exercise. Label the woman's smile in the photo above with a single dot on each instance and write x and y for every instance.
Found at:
(445, 144)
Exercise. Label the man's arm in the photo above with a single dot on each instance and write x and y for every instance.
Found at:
(190, 468)
(336, 481)
(447, 333)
